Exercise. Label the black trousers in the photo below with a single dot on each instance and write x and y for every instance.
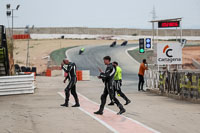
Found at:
(117, 88)
(108, 90)
(141, 82)
(71, 87)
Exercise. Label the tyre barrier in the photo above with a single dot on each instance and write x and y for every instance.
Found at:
(19, 69)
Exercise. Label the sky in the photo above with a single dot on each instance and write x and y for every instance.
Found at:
(99, 13)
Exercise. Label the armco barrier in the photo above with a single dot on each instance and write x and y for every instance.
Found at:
(22, 84)
(28, 73)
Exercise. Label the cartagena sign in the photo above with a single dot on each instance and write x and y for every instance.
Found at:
(169, 54)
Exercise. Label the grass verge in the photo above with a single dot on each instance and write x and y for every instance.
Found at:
(58, 55)
(139, 57)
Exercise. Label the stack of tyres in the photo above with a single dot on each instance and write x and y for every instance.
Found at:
(28, 69)
(23, 69)
(34, 69)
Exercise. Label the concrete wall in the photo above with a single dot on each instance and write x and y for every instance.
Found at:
(109, 31)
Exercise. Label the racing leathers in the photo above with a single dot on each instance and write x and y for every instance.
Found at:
(70, 69)
(108, 79)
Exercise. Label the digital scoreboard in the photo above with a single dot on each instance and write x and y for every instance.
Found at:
(168, 24)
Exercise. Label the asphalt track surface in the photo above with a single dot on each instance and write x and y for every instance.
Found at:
(92, 58)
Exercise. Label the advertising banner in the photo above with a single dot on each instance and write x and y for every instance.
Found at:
(169, 53)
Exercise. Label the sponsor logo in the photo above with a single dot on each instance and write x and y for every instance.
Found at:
(169, 55)
(167, 51)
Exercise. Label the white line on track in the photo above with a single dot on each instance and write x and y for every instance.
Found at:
(104, 123)
(100, 121)
(126, 51)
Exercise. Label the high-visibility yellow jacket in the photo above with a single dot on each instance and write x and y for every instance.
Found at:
(118, 74)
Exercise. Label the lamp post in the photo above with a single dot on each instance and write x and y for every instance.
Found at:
(27, 56)
(27, 31)
(10, 12)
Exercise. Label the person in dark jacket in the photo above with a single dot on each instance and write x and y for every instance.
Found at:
(70, 69)
(108, 79)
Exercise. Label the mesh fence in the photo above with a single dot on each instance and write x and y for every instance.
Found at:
(182, 83)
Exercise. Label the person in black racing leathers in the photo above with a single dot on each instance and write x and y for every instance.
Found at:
(108, 79)
(70, 69)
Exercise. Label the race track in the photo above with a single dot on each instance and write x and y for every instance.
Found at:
(92, 58)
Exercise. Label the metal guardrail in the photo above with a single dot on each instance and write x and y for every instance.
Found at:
(22, 84)
(183, 83)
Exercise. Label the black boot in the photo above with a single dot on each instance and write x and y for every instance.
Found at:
(64, 105)
(76, 105)
(99, 113)
(111, 104)
(127, 102)
(121, 111)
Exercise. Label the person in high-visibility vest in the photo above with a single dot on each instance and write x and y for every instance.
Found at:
(118, 84)
(81, 51)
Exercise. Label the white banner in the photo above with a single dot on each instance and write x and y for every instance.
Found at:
(169, 53)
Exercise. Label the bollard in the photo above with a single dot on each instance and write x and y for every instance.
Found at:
(48, 73)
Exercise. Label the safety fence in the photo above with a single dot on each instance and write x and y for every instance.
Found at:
(182, 83)
(152, 79)
(21, 84)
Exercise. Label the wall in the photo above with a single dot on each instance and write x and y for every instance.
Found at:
(109, 31)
